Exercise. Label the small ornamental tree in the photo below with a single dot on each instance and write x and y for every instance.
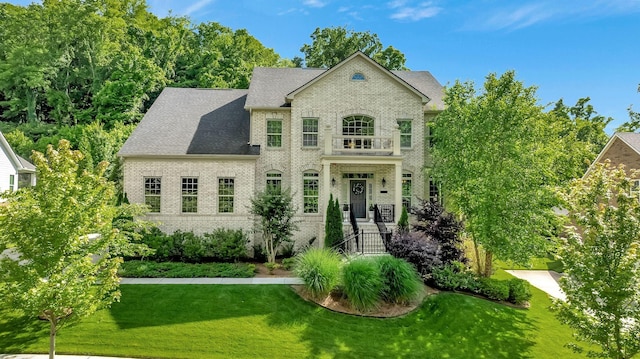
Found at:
(66, 245)
(403, 223)
(275, 209)
(333, 224)
(601, 262)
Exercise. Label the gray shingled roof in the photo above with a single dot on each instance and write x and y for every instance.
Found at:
(26, 164)
(270, 86)
(631, 139)
(193, 121)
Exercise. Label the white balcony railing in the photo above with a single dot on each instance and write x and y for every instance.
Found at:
(370, 145)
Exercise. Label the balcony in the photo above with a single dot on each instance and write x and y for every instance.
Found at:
(361, 145)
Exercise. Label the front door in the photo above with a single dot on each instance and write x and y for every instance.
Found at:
(358, 198)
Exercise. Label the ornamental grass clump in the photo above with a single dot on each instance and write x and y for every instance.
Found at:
(362, 283)
(401, 281)
(319, 269)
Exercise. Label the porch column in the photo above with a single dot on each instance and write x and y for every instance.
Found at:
(398, 192)
(328, 140)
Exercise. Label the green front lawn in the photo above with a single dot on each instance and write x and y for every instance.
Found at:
(549, 262)
(269, 321)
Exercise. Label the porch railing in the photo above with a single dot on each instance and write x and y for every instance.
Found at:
(362, 243)
(372, 145)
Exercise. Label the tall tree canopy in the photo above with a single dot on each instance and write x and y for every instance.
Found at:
(488, 156)
(65, 249)
(600, 257)
(331, 45)
(633, 124)
(76, 61)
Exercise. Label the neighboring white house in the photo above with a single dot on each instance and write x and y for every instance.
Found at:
(357, 131)
(15, 171)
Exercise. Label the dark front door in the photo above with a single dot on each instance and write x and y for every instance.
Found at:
(358, 198)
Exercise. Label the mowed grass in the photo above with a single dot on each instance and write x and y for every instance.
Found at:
(271, 321)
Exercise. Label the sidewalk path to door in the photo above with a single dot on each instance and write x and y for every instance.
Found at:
(546, 281)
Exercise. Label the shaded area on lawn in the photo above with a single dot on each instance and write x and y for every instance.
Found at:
(211, 321)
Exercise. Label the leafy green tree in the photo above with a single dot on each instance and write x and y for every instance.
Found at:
(66, 247)
(275, 209)
(487, 155)
(600, 257)
(331, 45)
(633, 124)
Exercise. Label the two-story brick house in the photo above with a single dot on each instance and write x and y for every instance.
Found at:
(357, 131)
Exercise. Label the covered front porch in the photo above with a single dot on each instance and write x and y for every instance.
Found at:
(361, 183)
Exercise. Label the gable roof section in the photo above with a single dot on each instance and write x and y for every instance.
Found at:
(184, 121)
(19, 164)
(360, 54)
(270, 87)
(630, 139)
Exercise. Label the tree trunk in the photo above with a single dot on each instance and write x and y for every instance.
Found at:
(488, 265)
(52, 338)
(478, 264)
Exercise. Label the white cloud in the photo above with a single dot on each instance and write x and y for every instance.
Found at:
(537, 11)
(314, 3)
(413, 13)
(196, 6)
(343, 9)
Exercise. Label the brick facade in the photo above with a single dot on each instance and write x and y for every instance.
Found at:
(329, 99)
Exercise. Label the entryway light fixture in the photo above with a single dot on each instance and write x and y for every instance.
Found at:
(333, 182)
(384, 182)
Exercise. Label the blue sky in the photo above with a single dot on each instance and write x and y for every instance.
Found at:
(567, 48)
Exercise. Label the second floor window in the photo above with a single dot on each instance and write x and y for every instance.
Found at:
(189, 195)
(310, 132)
(152, 193)
(12, 179)
(274, 133)
(405, 133)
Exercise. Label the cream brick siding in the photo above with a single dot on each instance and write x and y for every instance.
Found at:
(620, 153)
(207, 171)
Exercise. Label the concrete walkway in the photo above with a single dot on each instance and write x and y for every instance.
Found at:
(263, 280)
(46, 356)
(546, 281)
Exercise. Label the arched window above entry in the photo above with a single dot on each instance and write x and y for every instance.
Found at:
(358, 76)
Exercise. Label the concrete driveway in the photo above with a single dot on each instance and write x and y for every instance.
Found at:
(546, 281)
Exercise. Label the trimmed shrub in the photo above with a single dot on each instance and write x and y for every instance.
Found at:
(319, 269)
(519, 291)
(401, 281)
(227, 245)
(362, 283)
(288, 263)
(494, 289)
(193, 249)
(150, 269)
(454, 276)
(416, 249)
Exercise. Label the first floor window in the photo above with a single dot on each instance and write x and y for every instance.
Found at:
(406, 191)
(226, 193)
(274, 181)
(152, 191)
(635, 188)
(24, 180)
(405, 133)
(189, 195)
(434, 191)
(12, 179)
(310, 184)
(310, 132)
(274, 133)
